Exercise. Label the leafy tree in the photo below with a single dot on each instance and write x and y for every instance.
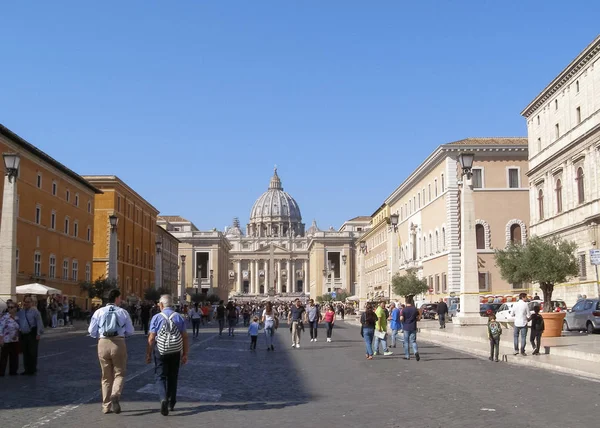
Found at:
(545, 261)
(99, 288)
(324, 298)
(213, 298)
(409, 284)
(198, 297)
(153, 294)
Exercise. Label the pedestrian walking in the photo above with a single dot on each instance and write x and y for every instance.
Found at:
(521, 314)
(196, 317)
(111, 325)
(168, 342)
(537, 328)
(394, 323)
(381, 330)
(409, 317)
(145, 312)
(494, 331)
(329, 319)
(296, 318)
(442, 312)
(253, 332)
(232, 316)
(314, 318)
(221, 317)
(9, 340)
(31, 328)
(271, 323)
(367, 329)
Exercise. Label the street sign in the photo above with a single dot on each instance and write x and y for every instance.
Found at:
(595, 257)
(431, 291)
(333, 294)
(452, 294)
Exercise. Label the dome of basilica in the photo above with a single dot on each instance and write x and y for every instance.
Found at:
(277, 208)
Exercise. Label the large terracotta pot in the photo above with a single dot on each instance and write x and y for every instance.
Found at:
(553, 323)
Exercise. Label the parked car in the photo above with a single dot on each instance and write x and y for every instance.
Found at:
(585, 315)
(429, 311)
(504, 313)
(486, 309)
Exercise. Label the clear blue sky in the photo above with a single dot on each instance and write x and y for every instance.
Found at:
(193, 102)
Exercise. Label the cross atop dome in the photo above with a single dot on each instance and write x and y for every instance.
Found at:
(275, 181)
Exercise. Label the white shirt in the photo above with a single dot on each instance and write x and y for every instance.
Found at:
(521, 311)
(96, 328)
(268, 317)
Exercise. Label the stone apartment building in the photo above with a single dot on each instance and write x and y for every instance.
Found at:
(563, 128)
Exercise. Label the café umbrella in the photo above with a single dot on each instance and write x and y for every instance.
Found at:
(39, 289)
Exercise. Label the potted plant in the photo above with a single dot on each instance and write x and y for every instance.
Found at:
(547, 261)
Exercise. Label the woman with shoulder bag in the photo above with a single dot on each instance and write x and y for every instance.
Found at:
(9, 341)
(367, 330)
(271, 323)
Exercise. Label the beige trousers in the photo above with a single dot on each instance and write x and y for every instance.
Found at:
(296, 333)
(112, 354)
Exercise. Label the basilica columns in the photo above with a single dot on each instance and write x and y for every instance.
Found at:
(288, 264)
(293, 274)
(279, 283)
(266, 286)
(305, 283)
(254, 288)
(239, 276)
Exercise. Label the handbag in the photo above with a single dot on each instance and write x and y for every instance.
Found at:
(380, 334)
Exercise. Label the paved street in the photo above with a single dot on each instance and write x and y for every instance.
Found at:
(227, 385)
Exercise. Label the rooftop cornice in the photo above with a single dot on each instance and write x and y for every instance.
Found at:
(573, 68)
(113, 181)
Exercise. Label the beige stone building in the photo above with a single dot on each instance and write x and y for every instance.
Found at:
(427, 203)
(563, 128)
(274, 256)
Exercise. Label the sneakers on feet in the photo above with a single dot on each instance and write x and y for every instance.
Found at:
(164, 408)
(388, 353)
(298, 346)
(329, 339)
(375, 353)
(491, 359)
(516, 352)
(524, 354)
(417, 356)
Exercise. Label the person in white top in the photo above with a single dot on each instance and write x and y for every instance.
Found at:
(196, 317)
(111, 324)
(521, 313)
(271, 322)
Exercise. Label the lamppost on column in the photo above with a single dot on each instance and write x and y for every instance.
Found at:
(158, 267)
(211, 281)
(469, 269)
(182, 286)
(361, 285)
(392, 256)
(8, 228)
(112, 249)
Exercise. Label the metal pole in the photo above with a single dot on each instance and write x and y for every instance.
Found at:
(597, 281)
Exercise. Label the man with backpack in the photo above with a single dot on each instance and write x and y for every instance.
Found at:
(168, 341)
(110, 325)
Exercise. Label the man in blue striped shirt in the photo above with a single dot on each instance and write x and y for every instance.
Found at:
(167, 366)
(31, 328)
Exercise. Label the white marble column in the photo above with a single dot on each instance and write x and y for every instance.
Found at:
(279, 283)
(293, 274)
(305, 279)
(266, 268)
(239, 276)
(256, 278)
(289, 277)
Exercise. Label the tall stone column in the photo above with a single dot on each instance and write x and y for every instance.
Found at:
(469, 270)
(239, 276)
(289, 276)
(293, 274)
(306, 278)
(8, 240)
(279, 282)
(266, 269)
(256, 278)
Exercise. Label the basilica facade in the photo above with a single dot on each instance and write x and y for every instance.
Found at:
(276, 255)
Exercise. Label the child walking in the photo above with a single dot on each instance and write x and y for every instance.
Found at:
(494, 331)
(253, 332)
(537, 328)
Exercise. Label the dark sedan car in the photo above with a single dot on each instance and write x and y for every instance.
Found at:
(429, 311)
(486, 309)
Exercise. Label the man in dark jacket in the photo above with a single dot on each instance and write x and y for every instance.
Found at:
(442, 311)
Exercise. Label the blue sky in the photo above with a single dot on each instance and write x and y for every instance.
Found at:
(192, 103)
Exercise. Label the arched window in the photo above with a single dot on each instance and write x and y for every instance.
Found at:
(480, 236)
(437, 241)
(580, 186)
(443, 238)
(558, 196)
(541, 204)
(430, 244)
(424, 246)
(515, 234)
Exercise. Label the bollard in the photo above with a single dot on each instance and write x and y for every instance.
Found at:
(547, 350)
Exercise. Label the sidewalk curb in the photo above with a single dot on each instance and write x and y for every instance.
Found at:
(511, 359)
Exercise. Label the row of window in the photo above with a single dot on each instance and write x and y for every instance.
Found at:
(378, 258)
(436, 243)
(128, 258)
(378, 239)
(558, 194)
(419, 199)
(512, 175)
(67, 193)
(438, 283)
(68, 267)
(138, 213)
(67, 224)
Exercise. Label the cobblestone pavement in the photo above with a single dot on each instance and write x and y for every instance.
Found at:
(225, 384)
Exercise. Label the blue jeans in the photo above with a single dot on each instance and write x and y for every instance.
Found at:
(442, 319)
(410, 338)
(368, 334)
(523, 331)
(313, 325)
(383, 343)
(394, 334)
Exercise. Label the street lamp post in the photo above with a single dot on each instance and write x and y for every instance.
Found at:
(362, 293)
(469, 270)
(392, 254)
(8, 228)
(182, 285)
(211, 281)
(112, 249)
(158, 267)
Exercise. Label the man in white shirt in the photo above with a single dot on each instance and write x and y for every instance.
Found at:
(521, 313)
(110, 325)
